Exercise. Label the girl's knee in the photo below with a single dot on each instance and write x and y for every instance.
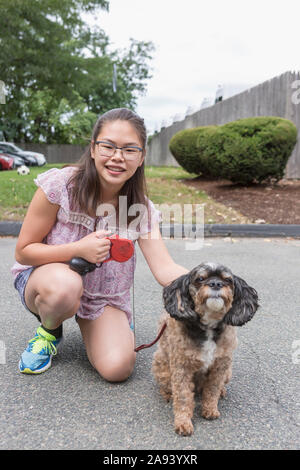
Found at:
(59, 299)
(61, 296)
(115, 367)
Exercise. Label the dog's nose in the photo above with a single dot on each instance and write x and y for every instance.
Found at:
(215, 284)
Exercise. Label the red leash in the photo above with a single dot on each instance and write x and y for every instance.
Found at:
(144, 346)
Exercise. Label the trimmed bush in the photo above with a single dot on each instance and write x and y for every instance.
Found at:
(244, 151)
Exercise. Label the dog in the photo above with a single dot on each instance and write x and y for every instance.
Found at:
(195, 351)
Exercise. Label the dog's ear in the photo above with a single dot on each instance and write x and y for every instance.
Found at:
(178, 301)
(244, 305)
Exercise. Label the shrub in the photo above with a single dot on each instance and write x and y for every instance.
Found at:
(244, 151)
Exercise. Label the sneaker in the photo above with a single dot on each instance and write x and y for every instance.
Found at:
(37, 356)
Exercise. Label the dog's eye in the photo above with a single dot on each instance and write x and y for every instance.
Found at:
(228, 280)
(199, 279)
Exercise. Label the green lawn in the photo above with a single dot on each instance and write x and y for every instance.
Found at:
(16, 191)
(164, 185)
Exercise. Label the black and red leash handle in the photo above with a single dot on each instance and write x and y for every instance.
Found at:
(121, 250)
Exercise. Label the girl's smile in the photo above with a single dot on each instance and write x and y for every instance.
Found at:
(114, 170)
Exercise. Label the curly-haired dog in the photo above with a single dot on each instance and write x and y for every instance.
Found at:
(195, 352)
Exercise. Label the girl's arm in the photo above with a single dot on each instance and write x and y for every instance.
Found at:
(39, 220)
(162, 266)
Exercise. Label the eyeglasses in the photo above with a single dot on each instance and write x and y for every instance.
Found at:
(108, 149)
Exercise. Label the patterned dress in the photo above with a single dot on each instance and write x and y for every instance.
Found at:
(110, 284)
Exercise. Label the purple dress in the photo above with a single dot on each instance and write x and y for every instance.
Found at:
(110, 284)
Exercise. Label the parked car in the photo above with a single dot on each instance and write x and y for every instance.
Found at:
(6, 162)
(27, 160)
(34, 158)
(17, 161)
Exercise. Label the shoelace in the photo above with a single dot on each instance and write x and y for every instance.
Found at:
(46, 345)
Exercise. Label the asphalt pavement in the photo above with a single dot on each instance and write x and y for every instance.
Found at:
(72, 407)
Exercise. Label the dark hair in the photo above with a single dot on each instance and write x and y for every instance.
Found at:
(86, 187)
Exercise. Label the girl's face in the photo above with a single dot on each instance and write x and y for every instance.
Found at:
(114, 171)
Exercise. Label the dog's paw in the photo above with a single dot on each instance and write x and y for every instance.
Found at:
(210, 413)
(184, 427)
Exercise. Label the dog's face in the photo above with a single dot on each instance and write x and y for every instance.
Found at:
(209, 294)
(212, 290)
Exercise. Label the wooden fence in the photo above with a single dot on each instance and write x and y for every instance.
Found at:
(276, 97)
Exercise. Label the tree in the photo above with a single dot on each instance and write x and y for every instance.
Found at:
(56, 69)
(52, 121)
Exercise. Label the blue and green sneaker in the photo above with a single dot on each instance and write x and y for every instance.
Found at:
(37, 356)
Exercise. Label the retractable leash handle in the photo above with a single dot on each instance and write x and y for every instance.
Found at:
(121, 250)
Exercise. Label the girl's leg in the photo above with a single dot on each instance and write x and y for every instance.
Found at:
(53, 291)
(110, 344)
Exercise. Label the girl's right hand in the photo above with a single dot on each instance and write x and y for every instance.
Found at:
(94, 247)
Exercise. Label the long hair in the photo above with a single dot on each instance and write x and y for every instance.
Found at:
(85, 184)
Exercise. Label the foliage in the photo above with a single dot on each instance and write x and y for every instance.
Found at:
(57, 122)
(58, 70)
(244, 151)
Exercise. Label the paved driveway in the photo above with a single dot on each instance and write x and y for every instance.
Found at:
(71, 407)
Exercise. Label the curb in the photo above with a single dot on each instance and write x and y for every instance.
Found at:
(230, 230)
(12, 228)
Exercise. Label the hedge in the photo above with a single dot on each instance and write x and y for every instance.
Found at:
(244, 151)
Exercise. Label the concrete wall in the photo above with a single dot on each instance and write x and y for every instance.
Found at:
(271, 98)
(56, 153)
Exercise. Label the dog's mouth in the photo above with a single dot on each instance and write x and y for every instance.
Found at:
(212, 310)
(214, 299)
(215, 303)
(211, 305)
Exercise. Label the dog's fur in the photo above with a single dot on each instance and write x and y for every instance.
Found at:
(195, 352)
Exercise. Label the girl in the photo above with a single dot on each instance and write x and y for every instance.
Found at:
(63, 222)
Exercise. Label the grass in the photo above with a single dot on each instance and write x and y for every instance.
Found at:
(16, 191)
(165, 186)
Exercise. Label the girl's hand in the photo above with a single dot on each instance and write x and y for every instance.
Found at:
(94, 247)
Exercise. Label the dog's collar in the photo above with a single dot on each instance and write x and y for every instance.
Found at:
(193, 325)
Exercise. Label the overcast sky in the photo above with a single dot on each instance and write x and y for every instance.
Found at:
(201, 44)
